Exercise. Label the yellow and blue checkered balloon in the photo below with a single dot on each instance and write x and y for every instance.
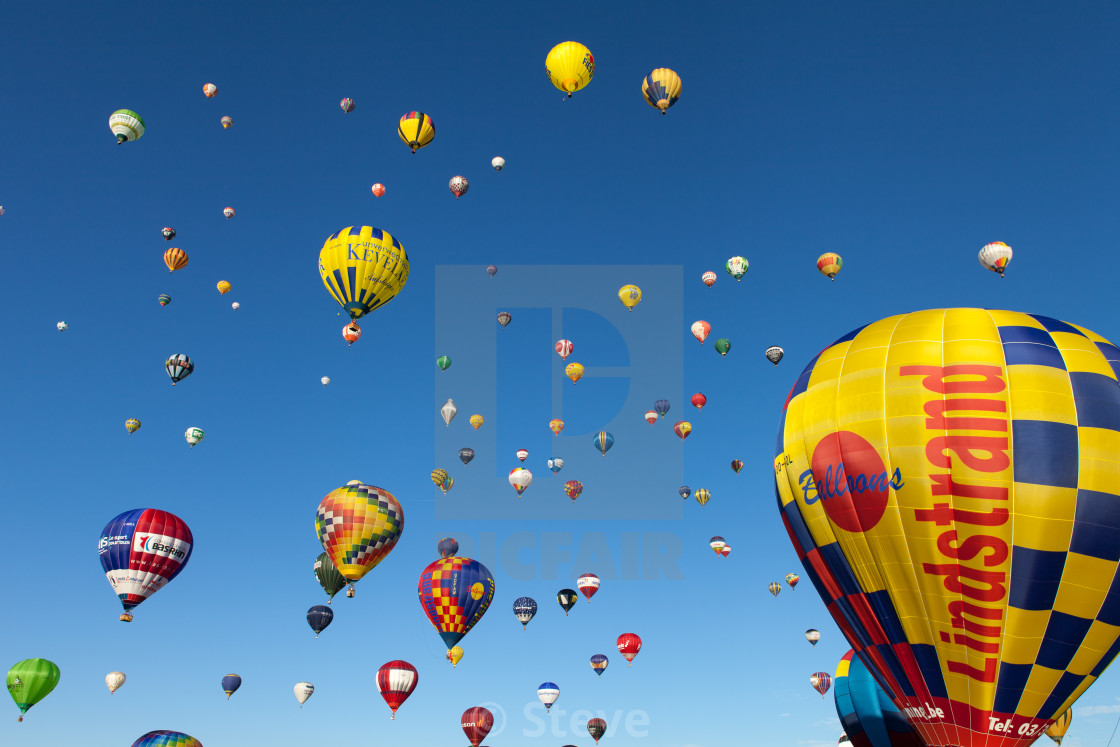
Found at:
(951, 482)
(358, 526)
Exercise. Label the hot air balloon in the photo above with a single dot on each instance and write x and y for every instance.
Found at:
(378, 189)
(567, 599)
(448, 411)
(524, 609)
(458, 186)
(701, 330)
(466, 454)
(603, 442)
(132, 425)
(651, 417)
(722, 346)
(775, 588)
(548, 692)
(596, 727)
(588, 584)
(498, 163)
(62, 326)
(792, 579)
(351, 332)
(563, 348)
(630, 295)
(865, 710)
(682, 428)
(126, 125)
(114, 680)
(358, 525)
(570, 66)
(31, 680)
(455, 593)
(477, 723)
(362, 269)
(725, 551)
(325, 380)
(522, 455)
(164, 299)
(661, 406)
(737, 267)
(573, 489)
(520, 478)
(416, 130)
(303, 691)
(698, 400)
(454, 655)
(829, 264)
(235, 306)
(708, 278)
(812, 635)
(476, 421)
(168, 233)
(395, 681)
(703, 495)
(717, 543)
(141, 551)
(230, 684)
(209, 90)
(504, 318)
(996, 256)
(227, 122)
(1058, 729)
(447, 547)
(439, 476)
(661, 88)
(599, 664)
(774, 354)
(574, 371)
(347, 105)
(556, 464)
(821, 681)
(165, 738)
(556, 425)
(629, 644)
(443, 362)
(223, 287)
(194, 436)
(736, 465)
(982, 453)
(328, 576)
(684, 492)
(492, 270)
(175, 259)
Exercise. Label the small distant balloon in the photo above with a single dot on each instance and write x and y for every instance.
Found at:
(708, 278)
(416, 130)
(319, 617)
(164, 299)
(774, 354)
(209, 90)
(378, 189)
(567, 599)
(556, 425)
(230, 684)
(570, 66)
(477, 421)
(498, 163)
(178, 367)
(792, 579)
(126, 125)
(736, 465)
(443, 362)
(629, 644)
(723, 345)
(235, 305)
(603, 442)
(449, 411)
(466, 455)
(737, 267)
(564, 348)
(447, 547)
(347, 105)
(698, 400)
(351, 332)
(132, 425)
(556, 464)
(573, 489)
(684, 492)
(303, 691)
(229, 212)
(520, 478)
(996, 256)
(630, 295)
(458, 186)
(114, 680)
(224, 287)
(661, 88)
(62, 326)
(812, 635)
(504, 318)
(175, 259)
(325, 380)
(454, 655)
(524, 609)
(701, 330)
(651, 417)
(703, 495)
(821, 681)
(522, 455)
(491, 270)
(599, 663)
(168, 233)
(227, 122)
(682, 428)
(574, 371)
(775, 588)
(194, 436)
(661, 407)
(829, 264)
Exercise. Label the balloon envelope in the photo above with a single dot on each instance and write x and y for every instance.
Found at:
(524, 608)
(362, 268)
(319, 617)
(31, 680)
(230, 684)
(570, 66)
(358, 525)
(395, 681)
(865, 710)
(447, 547)
(455, 593)
(165, 738)
(141, 551)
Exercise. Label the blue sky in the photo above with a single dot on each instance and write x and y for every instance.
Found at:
(902, 137)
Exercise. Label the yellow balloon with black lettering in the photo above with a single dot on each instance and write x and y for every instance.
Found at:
(363, 268)
(950, 480)
(570, 66)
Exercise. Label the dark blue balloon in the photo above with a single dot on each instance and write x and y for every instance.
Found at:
(466, 454)
(525, 608)
(685, 491)
(319, 617)
(230, 683)
(661, 407)
(447, 547)
(866, 712)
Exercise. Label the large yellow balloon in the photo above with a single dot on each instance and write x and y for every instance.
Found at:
(950, 480)
(661, 88)
(363, 268)
(416, 130)
(570, 66)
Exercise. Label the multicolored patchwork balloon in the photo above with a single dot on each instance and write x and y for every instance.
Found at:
(358, 525)
(455, 593)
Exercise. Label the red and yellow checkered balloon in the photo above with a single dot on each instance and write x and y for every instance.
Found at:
(951, 482)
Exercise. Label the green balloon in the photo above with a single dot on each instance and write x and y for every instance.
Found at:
(443, 362)
(328, 576)
(30, 681)
(723, 345)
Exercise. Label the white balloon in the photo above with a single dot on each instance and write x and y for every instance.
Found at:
(303, 691)
(326, 380)
(498, 163)
(449, 411)
(62, 326)
(114, 680)
(236, 306)
(194, 435)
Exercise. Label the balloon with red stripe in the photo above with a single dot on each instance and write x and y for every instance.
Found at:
(477, 723)
(395, 681)
(141, 551)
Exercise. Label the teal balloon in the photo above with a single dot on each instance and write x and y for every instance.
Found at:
(603, 442)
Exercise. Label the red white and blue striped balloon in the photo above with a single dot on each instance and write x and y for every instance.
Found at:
(141, 551)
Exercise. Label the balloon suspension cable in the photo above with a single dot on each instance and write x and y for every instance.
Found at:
(1113, 732)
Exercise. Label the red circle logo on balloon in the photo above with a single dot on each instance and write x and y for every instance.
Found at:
(851, 481)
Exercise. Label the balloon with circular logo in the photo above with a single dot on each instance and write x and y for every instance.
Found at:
(141, 551)
(455, 593)
(944, 478)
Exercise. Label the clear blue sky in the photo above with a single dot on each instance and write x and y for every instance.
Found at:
(902, 137)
